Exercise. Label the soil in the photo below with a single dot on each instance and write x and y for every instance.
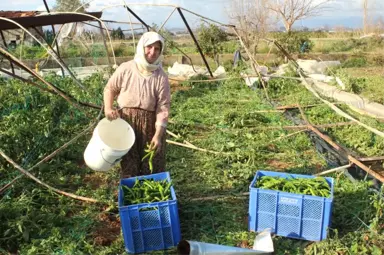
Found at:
(279, 165)
(108, 229)
(94, 181)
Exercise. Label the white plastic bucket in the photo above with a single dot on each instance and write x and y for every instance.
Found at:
(110, 141)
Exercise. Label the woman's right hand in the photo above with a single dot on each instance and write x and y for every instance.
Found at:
(111, 114)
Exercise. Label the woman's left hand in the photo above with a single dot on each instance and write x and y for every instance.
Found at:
(155, 143)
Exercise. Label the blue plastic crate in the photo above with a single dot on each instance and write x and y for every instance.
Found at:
(155, 229)
(288, 214)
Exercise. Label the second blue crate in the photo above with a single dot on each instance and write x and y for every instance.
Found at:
(288, 214)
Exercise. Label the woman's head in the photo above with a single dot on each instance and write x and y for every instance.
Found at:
(149, 51)
(152, 52)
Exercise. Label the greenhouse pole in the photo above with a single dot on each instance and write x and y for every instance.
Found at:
(54, 36)
(194, 39)
(6, 46)
(137, 17)
(105, 42)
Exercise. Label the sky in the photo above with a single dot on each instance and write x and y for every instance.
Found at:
(347, 13)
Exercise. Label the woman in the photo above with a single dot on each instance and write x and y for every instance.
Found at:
(143, 95)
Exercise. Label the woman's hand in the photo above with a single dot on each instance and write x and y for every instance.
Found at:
(111, 114)
(155, 143)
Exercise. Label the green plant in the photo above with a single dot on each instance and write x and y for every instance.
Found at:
(355, 62)
(315, 187)
(280, 86)
(29, 52)
(146, 191)
(355, 85)
(118, 34)
(150, 153)
(295, 42)
(240, 67)
(211, 39)
(364, 44)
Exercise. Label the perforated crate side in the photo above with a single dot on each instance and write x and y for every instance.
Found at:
(287, 214)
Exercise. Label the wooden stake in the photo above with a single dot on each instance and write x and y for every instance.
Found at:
(194, 147)
(178, 137)
(380, 158)
(342, 150)
(337, 169)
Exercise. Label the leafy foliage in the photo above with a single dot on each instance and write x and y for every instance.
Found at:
(211, 39)
(355, 62)
(117, 34)
(295, 42)
(363, 44)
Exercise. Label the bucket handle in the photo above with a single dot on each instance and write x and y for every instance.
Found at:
(113, 163)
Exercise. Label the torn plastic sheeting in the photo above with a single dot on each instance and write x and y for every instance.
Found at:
(250, 81)
(69, 31)
(315, 67)
(321, 77)
(356, 101)
(327, 79)
(187, 71)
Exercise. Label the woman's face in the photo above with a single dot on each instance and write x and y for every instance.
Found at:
(152, 52)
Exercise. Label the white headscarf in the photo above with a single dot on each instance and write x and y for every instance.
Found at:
(145, 40)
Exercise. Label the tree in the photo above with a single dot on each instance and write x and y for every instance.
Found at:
(118, 34)
(253, 19)
(295, 42)
(69, 5)
(291, 11)
(211, 39)
(49, 36)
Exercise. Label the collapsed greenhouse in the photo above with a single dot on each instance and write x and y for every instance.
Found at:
(228, 127)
